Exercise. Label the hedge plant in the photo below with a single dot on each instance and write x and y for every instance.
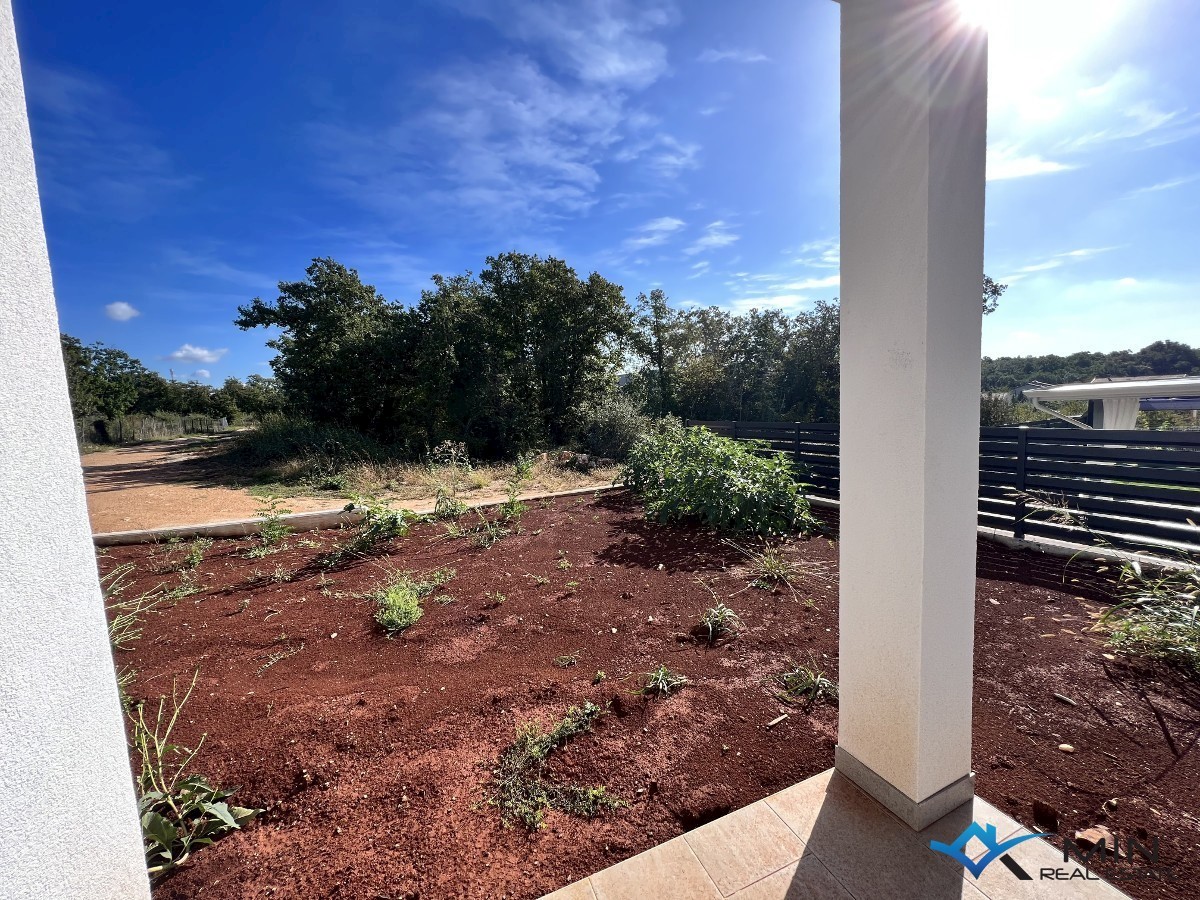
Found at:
(692, 474)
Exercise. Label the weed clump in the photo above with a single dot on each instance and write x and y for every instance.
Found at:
(1160, 620)
(521, 786)
(720, 621)
(398, 605)
(805, 686)
(662, 682)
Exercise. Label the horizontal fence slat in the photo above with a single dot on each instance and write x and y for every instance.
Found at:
(1130, 489)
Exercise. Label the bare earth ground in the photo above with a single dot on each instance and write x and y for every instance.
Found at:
(182, 482)
(373, 757)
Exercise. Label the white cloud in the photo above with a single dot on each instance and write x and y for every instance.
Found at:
(1168, 185)
(605, 43)
(1004, 163)
(520, 137)
(94, 155)
(120, 311)
(1053, 262)
(716, 235)
(655, 232)
(202, 374)
(210, 266)
(733, 55)
(823, 254)
(700, 268)
(189, 353)
(1056, 103)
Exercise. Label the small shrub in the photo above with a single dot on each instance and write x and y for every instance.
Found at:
(662, 682)
(398, 605)
(521, 787)
(609, 427)
(720, 621)
(805, 686)
(684, 474)
(180, 812)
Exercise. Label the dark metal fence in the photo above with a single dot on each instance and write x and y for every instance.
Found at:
(1130, 489)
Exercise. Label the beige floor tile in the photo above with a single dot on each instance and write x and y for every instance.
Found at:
(669, 871)
(580, 890)
(805, 879)
(744, 846)
(871, 852)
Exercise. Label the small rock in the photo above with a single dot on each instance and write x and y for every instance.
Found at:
(993, 602)
(1066, 748)
(1090, 837)
(333, 635)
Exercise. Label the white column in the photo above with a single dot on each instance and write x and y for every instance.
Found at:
(70, 818)
(914, 118)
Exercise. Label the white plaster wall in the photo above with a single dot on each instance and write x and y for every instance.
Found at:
(913, 133)
(70, 818)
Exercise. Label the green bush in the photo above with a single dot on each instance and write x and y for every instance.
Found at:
(609, 427)
(692, 474)
(304, 451)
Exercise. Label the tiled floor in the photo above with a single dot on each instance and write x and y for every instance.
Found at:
(825, 839)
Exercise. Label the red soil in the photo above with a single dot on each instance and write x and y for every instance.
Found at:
(372, 756)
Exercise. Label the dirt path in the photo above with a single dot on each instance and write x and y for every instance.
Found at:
(185, 482)
(169, 483)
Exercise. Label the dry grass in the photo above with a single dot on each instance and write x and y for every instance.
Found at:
(406, 482)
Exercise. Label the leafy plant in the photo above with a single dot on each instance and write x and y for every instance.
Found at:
(691, 474)
(125, 622)
(380, 523)
(272, 530)
(805, 686)
(720, 621)
(512, 509)
(661, 682)
(521, 786)
(180, 812)
(398, 605)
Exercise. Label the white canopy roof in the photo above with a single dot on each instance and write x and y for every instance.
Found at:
(1112, 388)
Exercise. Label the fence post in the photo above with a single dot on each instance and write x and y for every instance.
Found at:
(1019, 511)
(687, 423)
(796, 445)
(735, 430)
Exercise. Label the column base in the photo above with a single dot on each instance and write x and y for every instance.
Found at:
(917, 814)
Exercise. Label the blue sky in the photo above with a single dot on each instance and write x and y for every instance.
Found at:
(189, 160)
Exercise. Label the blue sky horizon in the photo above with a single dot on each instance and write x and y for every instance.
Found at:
(187, 162)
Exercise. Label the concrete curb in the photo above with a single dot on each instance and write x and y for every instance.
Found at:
(298, 522)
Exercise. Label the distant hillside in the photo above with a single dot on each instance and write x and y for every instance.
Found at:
(1160, 358)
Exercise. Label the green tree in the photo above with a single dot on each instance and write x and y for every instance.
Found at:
(340, 350)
